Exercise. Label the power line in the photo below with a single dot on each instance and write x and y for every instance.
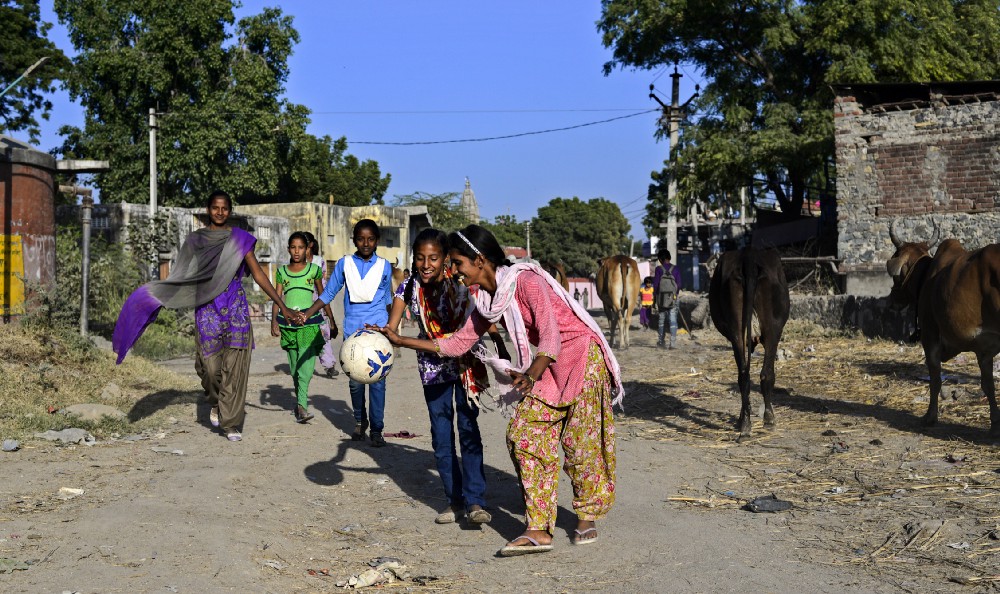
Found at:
(425, 142)
(468, 111)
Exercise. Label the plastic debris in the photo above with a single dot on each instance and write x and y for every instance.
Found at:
(839, 447)
(11, 445)
(962, 546)
(767, 504)
(69, 493)
(384, 573)
(278, 565)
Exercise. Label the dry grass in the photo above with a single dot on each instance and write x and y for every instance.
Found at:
(44, 372)
(868, 482)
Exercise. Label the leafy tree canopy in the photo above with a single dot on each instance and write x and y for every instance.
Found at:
(765, 113)
(444, 209)
(508, 231)
(22, 43)
(218, 88)
(578, 233)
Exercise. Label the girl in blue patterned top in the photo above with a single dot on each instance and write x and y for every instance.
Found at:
(440, 304)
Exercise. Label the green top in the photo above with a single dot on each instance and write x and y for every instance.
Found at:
(298, 288)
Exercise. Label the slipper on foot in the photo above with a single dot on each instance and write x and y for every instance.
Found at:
(450, 517)
(479, 516)
(579, 538)
(512, 550)
(213, 416)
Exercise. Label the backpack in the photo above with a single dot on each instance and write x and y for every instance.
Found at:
(667, 291)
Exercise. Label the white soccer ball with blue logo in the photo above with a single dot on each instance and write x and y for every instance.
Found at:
(366, 356)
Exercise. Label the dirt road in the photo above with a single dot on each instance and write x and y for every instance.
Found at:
(300, 507)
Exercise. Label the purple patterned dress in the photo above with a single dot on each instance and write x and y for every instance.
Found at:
(224, 322)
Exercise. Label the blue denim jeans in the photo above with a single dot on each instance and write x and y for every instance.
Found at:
(465, 483)
(672, 313)
(376, 403)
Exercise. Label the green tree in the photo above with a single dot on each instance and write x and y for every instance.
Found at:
(765, 111)
(578, 233)
(218, 88)
(508, 231)
(23, 42)
(321, 170)
(444, 209)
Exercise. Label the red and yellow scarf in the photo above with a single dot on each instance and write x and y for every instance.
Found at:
(437, 324)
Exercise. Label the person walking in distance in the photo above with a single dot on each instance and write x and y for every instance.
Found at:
(646, 303)
(667, 280)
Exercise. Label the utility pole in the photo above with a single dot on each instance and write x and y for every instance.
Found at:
(527, 231)
(26, 73)
(86, 207)
(674, 113)
(152, 164)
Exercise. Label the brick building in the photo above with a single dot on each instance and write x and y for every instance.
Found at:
(925, 154)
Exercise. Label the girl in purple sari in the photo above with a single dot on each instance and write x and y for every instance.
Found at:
(208, 277)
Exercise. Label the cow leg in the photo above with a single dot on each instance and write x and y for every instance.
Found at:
(989, 388)
(744, 423)
(612, 327)
(626, 329)
(933, 360)
(767, 377)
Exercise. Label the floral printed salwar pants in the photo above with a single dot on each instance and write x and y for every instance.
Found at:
(585, 429)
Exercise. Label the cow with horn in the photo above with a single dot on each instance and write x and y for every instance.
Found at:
(957, 297)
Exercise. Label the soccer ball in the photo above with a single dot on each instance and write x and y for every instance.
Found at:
(366, 356)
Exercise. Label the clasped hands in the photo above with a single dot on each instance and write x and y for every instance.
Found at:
(297, 318)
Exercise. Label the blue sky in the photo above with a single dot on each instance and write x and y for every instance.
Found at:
(401, 71)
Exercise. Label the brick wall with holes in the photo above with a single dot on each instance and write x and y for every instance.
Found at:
(927, 166)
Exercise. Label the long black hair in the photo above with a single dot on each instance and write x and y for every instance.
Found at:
(428, 235)
(311, 244)
(483, 240)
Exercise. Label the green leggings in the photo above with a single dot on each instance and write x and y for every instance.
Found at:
(303, 345)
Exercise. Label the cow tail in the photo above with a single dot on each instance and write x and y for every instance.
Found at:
(750, 271)
(625, 269)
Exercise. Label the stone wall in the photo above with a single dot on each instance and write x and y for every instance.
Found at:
(925, 162)
(870, 316)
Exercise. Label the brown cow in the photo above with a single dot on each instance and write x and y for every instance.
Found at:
(749, 302)
(957, 294)
(558, 272)
(618, 287)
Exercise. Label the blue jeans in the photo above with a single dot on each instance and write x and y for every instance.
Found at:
(376, 402)
(672, 313)
(465, 484)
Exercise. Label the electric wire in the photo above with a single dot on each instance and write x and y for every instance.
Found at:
(503, 137)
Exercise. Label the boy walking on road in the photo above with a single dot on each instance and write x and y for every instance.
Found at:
(668, 286)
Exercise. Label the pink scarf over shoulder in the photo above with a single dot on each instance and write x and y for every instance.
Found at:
(501, 305)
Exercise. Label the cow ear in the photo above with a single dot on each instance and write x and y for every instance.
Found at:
(894, 266)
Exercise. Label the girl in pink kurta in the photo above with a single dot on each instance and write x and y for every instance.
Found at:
(566, 390)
